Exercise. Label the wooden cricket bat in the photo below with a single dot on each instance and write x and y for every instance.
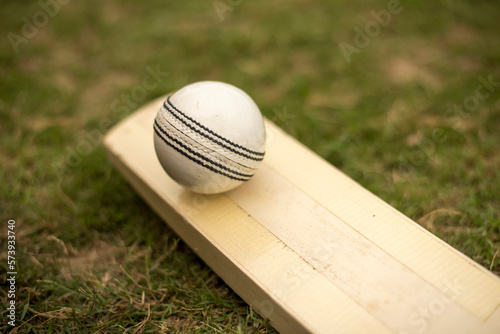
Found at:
(309, 248)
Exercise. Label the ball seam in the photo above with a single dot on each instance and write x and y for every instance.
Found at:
(158, 129)
(259, 154)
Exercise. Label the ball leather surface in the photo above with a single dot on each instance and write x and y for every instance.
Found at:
(209, 137)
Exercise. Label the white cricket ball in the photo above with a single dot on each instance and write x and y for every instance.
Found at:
(209, 137)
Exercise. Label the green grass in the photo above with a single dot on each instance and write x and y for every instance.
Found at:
(92, 256)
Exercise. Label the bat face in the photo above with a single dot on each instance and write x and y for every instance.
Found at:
(309, 248)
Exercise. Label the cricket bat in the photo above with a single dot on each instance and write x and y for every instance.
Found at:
(311, 249)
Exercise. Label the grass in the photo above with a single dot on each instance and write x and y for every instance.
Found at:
(91, 255)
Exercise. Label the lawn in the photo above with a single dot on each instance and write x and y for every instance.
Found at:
(401, 96)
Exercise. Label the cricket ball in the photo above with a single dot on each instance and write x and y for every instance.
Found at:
(209, 137)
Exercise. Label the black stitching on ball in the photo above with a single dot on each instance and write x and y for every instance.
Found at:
(199, 155)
